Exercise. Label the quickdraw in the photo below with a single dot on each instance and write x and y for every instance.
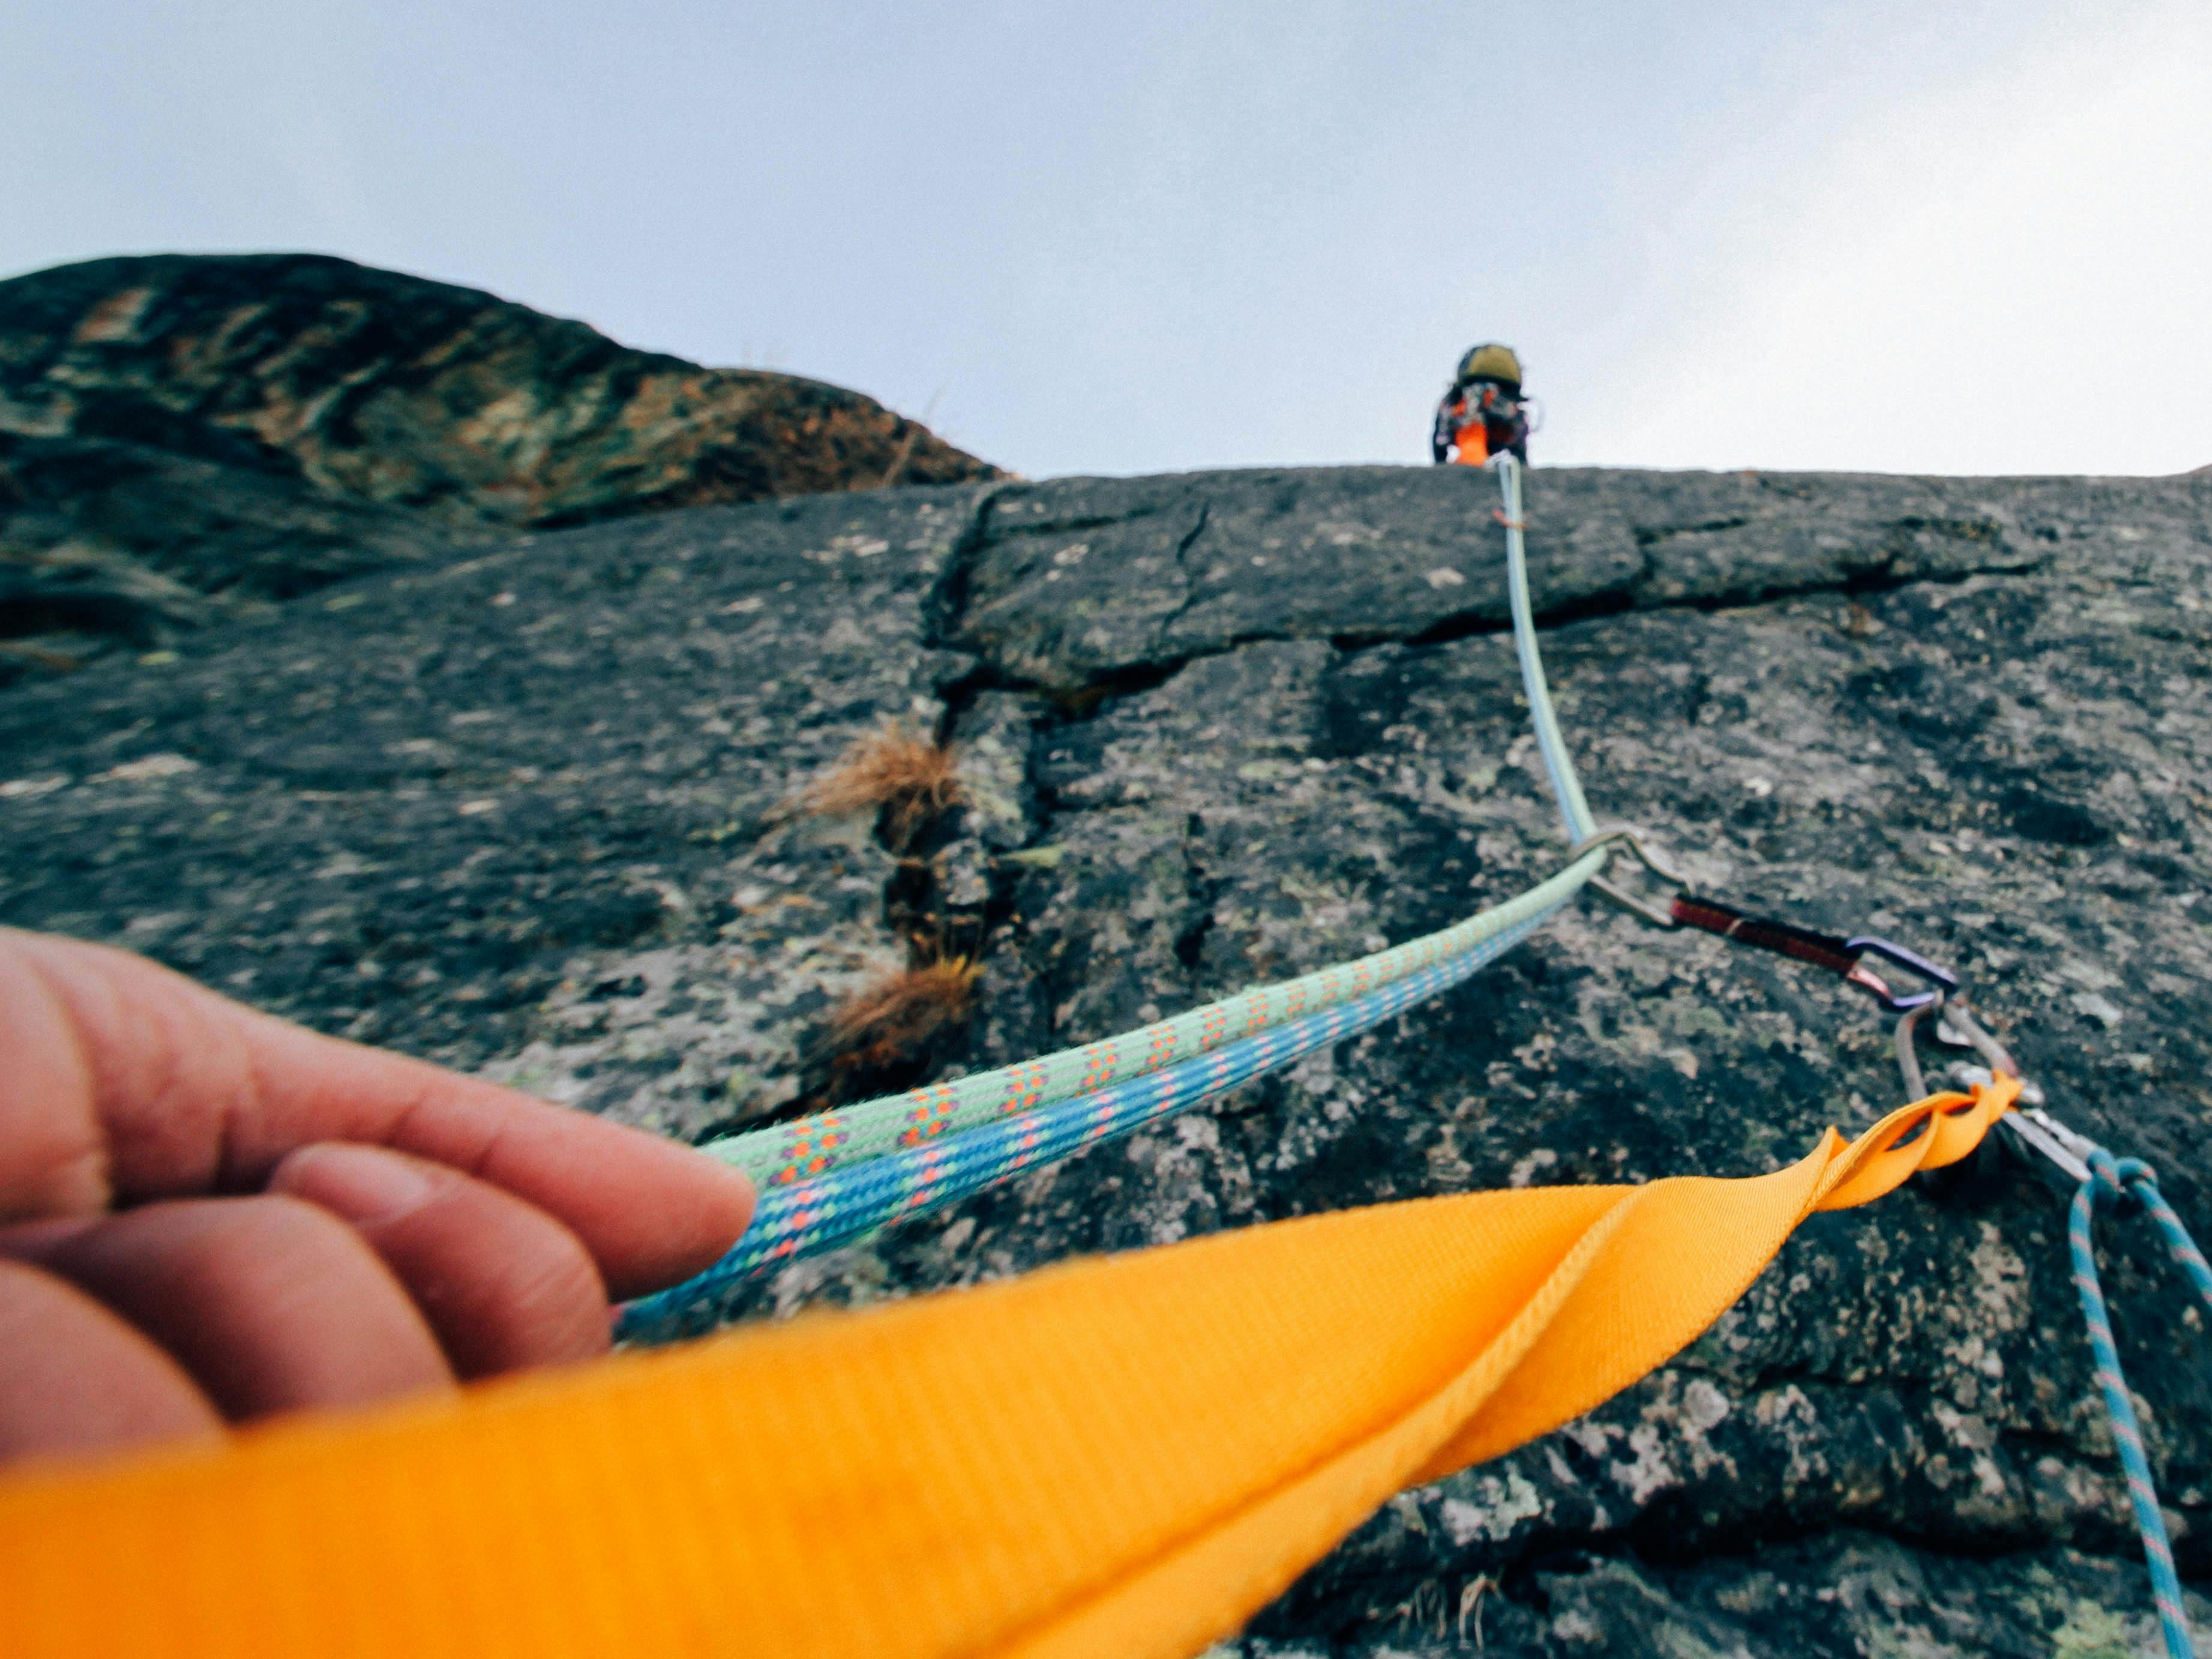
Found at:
(2100, 1179)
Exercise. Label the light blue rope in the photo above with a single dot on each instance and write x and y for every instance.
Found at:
(1559, 765)
(807, 1217)
(2113, 1181)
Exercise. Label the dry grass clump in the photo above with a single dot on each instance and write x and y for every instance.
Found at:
(905, 777)
(893, 1019)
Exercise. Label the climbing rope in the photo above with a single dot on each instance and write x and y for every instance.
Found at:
(789, 1152)
(1559, 765)
(812, 1146)
(2100, 1179)
(2116, 1181)
(818, 1213)
(834, 1177)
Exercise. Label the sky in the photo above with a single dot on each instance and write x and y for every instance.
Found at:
(1858, 235)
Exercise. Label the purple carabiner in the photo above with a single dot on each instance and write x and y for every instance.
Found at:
(1840, 956)
(1946, 983)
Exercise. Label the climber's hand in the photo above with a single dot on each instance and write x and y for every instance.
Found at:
(208, 1215)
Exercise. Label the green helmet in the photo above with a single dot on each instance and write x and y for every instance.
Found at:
(1490, 361)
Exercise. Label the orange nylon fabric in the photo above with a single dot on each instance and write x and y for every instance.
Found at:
(1122, 1457)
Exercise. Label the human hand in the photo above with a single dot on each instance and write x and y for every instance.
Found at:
(210, 1215)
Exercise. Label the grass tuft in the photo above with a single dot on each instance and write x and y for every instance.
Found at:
(906, 778)
(894, 1018)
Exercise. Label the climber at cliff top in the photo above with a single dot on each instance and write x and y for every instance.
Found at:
(1482, 413)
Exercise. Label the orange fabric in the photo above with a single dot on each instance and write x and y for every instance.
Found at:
(1471, 448)
(1122, 1457)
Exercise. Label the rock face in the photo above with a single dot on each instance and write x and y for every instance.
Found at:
(516, 809)
(182, 435)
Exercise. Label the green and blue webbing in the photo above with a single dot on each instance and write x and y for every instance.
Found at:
(2113, 1181)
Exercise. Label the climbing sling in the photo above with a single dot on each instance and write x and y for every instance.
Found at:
(1121, 1456)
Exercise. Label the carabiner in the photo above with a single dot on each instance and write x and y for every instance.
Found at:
(1634, 839)
(1945, 981)
(1840, 956)
(1956, 1025)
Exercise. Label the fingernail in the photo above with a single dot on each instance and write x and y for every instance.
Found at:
(361, 1184)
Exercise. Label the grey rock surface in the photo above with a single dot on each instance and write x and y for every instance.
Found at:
(182, 436)
(105, 544)
(520, 810)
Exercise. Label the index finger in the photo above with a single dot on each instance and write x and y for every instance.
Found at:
(128, 1082)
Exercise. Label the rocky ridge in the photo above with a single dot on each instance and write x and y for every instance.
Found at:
(517, 808)
(182, 436)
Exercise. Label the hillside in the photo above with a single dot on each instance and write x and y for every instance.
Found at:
(517, 808)
(182, 437)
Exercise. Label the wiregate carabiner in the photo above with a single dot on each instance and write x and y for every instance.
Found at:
(1840, 956)
(1629, 835)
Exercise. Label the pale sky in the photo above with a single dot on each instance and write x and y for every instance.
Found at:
(1836, 234)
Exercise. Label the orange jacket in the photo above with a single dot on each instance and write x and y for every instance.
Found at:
(1476, 420)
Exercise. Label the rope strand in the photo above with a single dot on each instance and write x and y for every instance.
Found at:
(810, 1147)
(818, 1214)
(1559, 765)
(2113, 1181)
